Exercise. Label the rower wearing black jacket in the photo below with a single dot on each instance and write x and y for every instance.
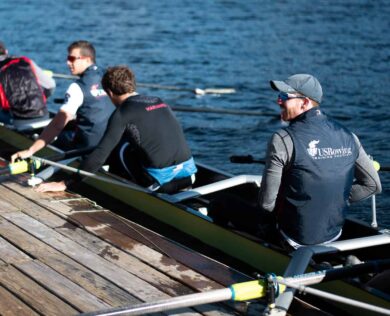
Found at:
(143, 140)
(24, 88)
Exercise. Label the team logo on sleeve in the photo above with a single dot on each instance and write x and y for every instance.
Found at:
(66, 99)
(97, 92)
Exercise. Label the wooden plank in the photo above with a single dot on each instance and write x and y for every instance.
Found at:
(16, 201)
(126, 261)
(6, 206)
(130, 264)
(100, 287)
(10, 305)
(212, 269)
(107, 251)
(22, 201)
(10, 254)
(62, 287)
(179, 272)
(33, 294)
(158, 260)
(118, 276)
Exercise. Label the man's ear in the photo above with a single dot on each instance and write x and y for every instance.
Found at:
(306, 104)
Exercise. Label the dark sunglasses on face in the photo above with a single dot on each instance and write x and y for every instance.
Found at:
(283, 96)
(72, 59)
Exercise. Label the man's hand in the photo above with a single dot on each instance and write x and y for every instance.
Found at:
(23, 154)
(51, 187)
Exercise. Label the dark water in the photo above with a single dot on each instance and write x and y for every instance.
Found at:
(240, 44)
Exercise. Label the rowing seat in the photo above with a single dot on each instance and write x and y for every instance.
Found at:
(29, 124)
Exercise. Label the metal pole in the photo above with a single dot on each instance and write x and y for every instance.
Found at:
(301, 258)
(337, 298)
(216, 186)
(374, 223)
(90, 175)
(242, 291)
(168, 304)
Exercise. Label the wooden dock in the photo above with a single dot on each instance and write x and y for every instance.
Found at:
(61, 254)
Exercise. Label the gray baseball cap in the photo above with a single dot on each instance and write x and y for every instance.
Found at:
(305, 84)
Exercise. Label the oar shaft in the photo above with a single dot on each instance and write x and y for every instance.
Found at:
(340, 273)
(241, 292)
(63, 76)
(220, 111)
(169, 304)
(157, 86)
(337, 298)
(89, 174)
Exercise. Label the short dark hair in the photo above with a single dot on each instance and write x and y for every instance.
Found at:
(86, 49)
(3, 48)
(119, 80)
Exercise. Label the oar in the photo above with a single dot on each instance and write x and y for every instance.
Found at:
(221, 111)
(62, 76)
(196, 90)
(31, 165)
(269, 288)
(21, 166)
(157, 86)
(206, 110)
(64, 158)
(181, 108)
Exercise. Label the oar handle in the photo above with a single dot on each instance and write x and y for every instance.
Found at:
(30, 165)
(21, 166)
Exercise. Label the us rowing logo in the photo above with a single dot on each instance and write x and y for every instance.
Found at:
(327, 152)
(312, 150)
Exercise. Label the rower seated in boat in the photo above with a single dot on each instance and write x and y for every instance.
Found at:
(24, 89)
(143, 142)
(86, 104)
(314, 168)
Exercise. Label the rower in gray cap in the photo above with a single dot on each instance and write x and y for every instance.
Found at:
(314, 168)
(323, 164)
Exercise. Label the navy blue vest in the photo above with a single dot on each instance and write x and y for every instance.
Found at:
(316, 186)
(93, 114)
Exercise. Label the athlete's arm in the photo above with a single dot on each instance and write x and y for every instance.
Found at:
(44, 80)
(367, 181)
(278, 156)
(47, 136)
(113, 134)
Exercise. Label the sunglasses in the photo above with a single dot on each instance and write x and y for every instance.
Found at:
(283, 96)
(72, 59)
